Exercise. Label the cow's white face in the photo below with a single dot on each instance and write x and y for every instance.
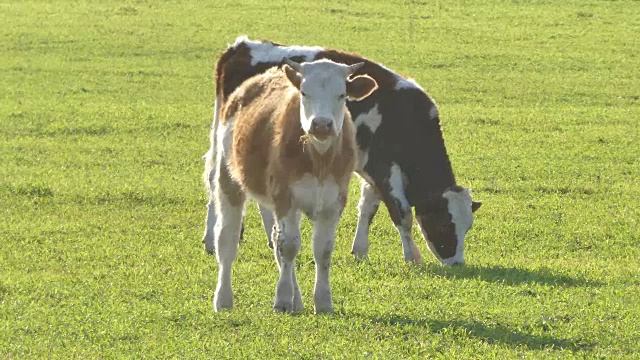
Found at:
(444, 224)
(324, 88)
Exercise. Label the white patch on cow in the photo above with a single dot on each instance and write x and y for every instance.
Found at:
(367, 207)
(370, 119)
(239, 40)
(262, 52)
(433, 113)
(397, 181)
(407, 84)
(459, 205)
(313, 196)
(225, 137)
(321, 146)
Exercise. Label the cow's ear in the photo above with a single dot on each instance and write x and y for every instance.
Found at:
(360, 87)
(475, 206)
(294, 77)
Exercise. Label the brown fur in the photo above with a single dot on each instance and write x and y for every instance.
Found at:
(269, 147)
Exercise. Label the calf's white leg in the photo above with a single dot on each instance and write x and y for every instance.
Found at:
(229, 207)
(367, 208)
(287, 246)
(324, 232)
(267, 222)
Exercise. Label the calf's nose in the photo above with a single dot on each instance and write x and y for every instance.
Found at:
(321, 127)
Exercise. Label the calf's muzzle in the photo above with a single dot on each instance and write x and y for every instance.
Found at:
(321, 128)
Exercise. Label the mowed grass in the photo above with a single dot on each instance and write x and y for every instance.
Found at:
(105, 109)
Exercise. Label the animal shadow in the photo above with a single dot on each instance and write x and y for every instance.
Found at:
(512, 275)
(491, 334)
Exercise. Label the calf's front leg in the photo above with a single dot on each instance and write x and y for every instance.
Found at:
(287, 246)
(324, 232)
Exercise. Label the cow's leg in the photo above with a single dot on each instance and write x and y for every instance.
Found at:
(229, 202)
(367, 208)
(287, 246)
(324, 232)
(268, 223)
(401, 214)
(210, 220)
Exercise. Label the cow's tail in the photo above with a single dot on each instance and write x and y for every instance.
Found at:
(210, 156)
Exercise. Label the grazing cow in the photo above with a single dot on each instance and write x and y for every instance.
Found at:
(402, 157)
(286, 139)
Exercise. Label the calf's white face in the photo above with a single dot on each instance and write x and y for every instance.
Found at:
(324, 88)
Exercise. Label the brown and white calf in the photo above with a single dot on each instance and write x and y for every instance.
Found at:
(286, 139)
(402, 155)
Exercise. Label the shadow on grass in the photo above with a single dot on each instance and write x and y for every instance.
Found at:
(511, 275)
(492, 334)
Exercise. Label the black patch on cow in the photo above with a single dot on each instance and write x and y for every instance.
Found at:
(357, 108)
(435, 220)
(373, 213)
(363, 137)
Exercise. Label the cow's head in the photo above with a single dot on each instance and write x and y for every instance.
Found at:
(444, 222)
(324, 88)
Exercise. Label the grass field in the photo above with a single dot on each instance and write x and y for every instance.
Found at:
(105, 108)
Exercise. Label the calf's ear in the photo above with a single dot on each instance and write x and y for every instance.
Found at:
(475, 206)
(360, 87)
(294, 77)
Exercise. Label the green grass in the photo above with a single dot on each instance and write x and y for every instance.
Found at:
(105, 109)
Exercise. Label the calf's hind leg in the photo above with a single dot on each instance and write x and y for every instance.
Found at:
(268, 222)
(210, 220)
(229, 204)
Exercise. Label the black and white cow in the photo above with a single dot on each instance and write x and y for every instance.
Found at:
(402, 158)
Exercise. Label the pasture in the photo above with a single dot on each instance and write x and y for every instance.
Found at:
(105, 110)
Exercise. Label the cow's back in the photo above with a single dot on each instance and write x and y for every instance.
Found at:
(251, 112)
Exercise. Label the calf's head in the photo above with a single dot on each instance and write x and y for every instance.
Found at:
(324, 88)
(444, 222)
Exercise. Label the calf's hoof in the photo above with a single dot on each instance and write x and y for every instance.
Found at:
(359, 252)
(359, 257)
(209, 246)
(223, 300)
(323, 310)
(210, 250)
(283, 308)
